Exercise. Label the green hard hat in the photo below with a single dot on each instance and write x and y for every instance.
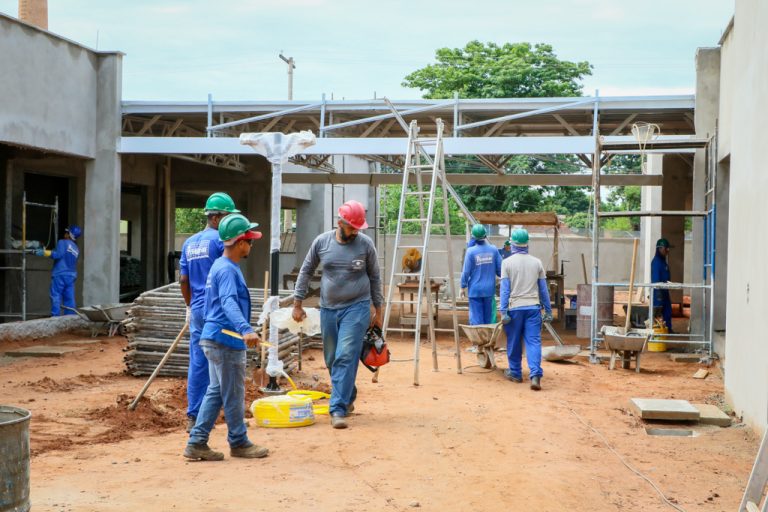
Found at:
(235, 225)
(663, 242)
(507, 243)
(520, 236)
(220, 202)
(478, 232)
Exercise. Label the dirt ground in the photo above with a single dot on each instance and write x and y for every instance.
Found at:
(456, 442)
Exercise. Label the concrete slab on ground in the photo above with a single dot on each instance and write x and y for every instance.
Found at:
(92, 341)
(41, 351)
(685, 358)
(712, 415)
(659, 409)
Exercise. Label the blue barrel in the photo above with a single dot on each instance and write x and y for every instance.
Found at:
(14, 459)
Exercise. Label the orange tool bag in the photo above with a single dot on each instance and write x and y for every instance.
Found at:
(375, 352)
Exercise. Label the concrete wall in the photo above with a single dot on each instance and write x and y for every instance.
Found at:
(48, 101)
(743, 102)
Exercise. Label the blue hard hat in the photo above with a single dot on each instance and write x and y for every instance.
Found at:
(74, 231)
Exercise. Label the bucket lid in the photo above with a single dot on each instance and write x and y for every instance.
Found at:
(10, 415)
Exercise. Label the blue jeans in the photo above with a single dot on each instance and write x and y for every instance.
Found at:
(343, 331)
(524, 327)
(62, 291)
(226, 370)
(197, 374)
(481, 310)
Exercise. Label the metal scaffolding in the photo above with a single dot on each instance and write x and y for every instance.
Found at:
(22, 252)
(602, 154)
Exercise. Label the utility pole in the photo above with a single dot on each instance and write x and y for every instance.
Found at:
(291, 67)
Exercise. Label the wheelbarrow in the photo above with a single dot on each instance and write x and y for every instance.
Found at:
(109, 315)
(484, 337)
(625, 346)
(559, 352)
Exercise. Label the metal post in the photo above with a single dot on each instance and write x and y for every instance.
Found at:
(291, 67)
(24, 256)
(322, 117)
(595, 231)
(456, 120)
(210, 115)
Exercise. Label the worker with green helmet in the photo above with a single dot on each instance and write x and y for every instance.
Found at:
(197, 256)
(523, 293)
(482, 265)
(227, 308)
(660, 274)
(506, 251)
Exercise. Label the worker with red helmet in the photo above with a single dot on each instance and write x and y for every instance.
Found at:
(351, 282)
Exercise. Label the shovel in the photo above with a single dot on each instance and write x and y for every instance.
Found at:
(560, 351)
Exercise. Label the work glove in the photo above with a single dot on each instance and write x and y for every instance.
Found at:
(39, 252)
(505, 319)
(547, 318)
(188, 315)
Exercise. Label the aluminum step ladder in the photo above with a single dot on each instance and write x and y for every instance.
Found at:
(430, 187)
(758, 479)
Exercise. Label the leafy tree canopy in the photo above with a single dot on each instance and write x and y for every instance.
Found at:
(488, 70)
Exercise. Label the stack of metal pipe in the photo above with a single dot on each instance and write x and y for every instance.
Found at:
(156, 318)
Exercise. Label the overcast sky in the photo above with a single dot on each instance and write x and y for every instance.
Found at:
(184, 49)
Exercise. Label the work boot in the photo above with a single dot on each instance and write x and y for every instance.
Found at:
(191, 420)
(249, 451)
(338, 421)
(536, 383)
(201, 452)
(509, 375)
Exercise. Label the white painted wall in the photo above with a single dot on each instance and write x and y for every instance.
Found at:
(743, 104)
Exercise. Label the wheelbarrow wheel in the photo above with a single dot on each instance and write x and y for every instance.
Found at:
(483, 360)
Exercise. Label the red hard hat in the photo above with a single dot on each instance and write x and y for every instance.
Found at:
(354, 214)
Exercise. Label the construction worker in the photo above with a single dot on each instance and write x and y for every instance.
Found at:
(64, 272)
(506, 251)
(197, 255)
(660, 274)
(523, 293)
(350, 284)
(227, 307)
(482, 265)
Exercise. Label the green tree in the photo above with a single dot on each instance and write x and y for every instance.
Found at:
(392, 208)
(190, 220)
(487, 70)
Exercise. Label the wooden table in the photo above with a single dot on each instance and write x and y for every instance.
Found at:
(411, 287)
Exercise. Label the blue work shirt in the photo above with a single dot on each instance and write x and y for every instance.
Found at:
(482, 264)
(197, 255)
(227, 304)
(65, 258)
(660, 274)
(505, 253)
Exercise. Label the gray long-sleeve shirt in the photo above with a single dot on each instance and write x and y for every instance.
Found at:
(350, 271)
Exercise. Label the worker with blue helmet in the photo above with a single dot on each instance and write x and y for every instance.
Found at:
(64, 274)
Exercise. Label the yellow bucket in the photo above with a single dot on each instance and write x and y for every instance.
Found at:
(656, 346)
(283, 411)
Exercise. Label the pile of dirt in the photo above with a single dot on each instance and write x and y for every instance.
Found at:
(50, 385)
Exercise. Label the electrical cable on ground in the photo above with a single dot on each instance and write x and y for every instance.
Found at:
(623, 461)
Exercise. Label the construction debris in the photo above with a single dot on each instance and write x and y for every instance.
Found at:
(701, 373)
(41, 351)
(158, 315)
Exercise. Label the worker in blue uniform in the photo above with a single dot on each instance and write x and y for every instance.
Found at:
(482, 265)
(506, 251)
(523, 293)
(197, 256)
(660, 274)
(64, 274)
(227, 308)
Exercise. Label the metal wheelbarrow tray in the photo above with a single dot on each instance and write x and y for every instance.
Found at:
(625, 346)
